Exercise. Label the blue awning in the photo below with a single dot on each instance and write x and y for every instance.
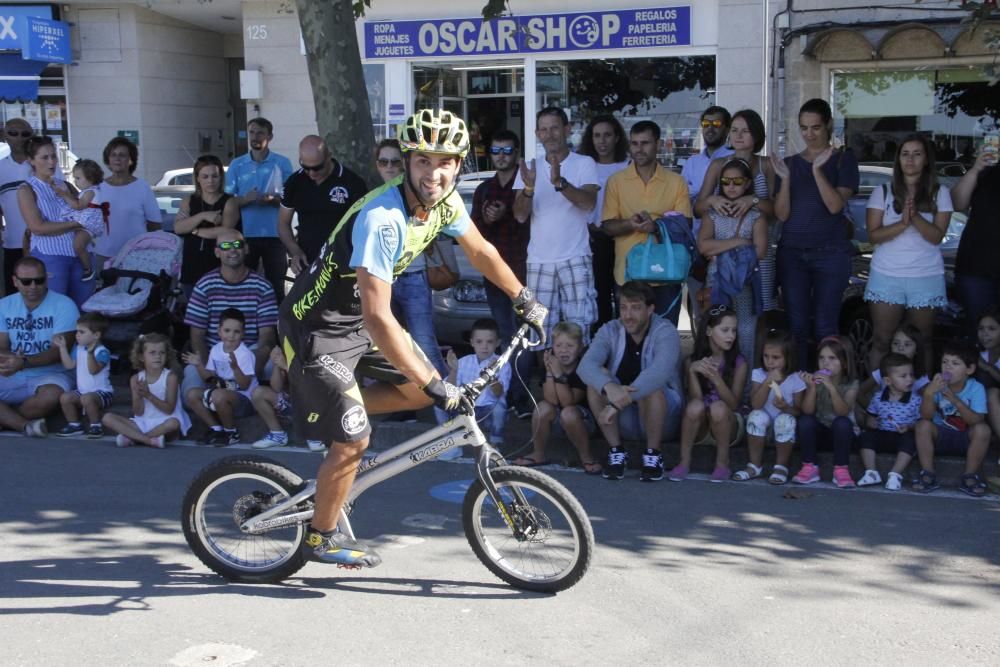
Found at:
(19, 78)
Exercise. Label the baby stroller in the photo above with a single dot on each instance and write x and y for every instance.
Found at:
(140, 290)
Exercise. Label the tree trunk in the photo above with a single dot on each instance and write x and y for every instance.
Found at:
(338, 83)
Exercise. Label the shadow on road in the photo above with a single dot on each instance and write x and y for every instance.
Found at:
(815, 540)
(122, 584)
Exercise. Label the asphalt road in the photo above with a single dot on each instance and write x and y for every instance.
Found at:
(94, 570)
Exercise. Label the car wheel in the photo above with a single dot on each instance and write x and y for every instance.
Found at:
(861, 334)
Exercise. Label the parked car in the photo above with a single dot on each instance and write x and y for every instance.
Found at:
(184, 176)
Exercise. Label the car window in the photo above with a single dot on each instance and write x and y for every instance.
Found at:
(182, 179)
(874, 179)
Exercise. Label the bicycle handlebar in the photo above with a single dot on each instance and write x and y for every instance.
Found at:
(488, 375)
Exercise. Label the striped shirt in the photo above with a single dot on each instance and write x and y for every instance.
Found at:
(53, 209)
(253, 296)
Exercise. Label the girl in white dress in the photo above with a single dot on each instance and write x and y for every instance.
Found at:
(158, 414)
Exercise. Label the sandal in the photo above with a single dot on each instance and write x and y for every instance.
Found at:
(972, 485)
(925, 482)
(750, 472)
(529, 462)
(592, 467)
(779, 475)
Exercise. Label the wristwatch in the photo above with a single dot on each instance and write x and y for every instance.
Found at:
(755, 201)
(563, 184)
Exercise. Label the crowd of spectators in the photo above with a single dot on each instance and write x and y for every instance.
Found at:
(771, 234)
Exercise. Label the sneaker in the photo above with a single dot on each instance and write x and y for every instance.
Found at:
(69, 430)
(679, 473)
(95, 431)
(122, 441)
(36, 428)
(895, 482)
(617, 462)
(807, 475)
(158, 442)
(842, 477)
(211, 437)
(315, 446)
(226, 437)
(720, 474)
(870, 478)
(339, 550)
(652, 467)
(272, 439)
(88, 276)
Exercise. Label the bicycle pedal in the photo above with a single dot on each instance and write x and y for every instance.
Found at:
(344, 566)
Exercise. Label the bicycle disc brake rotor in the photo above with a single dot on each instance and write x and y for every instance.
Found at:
(250, 505)
(533, 525)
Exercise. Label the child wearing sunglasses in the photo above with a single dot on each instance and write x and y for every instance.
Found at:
(736, 245)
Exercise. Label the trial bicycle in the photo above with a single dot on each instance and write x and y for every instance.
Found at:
(246, 517)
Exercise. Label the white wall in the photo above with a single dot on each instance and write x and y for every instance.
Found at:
(139, 70)
(271, 44)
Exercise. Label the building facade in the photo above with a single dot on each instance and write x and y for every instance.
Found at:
(182, 76)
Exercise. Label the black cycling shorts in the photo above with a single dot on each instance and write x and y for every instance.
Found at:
(326, 399)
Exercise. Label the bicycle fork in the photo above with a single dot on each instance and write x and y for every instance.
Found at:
(517, 513)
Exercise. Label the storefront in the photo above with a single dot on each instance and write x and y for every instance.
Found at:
(654, 64)
(33, 49)
(886, 80)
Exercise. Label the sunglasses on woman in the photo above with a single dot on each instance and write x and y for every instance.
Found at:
(506, 150)
(385, 162)
(230, 245)
(24, 134)
(733, 180)
(719, 310)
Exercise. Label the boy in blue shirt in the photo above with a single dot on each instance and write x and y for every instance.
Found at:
(954, 420)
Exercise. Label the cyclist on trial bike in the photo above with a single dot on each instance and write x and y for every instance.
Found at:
(337, 318)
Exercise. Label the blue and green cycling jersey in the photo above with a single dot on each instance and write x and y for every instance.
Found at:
(377, 233)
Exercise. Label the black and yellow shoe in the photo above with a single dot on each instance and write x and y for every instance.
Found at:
(339, 549)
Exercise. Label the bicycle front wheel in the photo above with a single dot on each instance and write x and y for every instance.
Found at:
(541, 540)
(224, 495)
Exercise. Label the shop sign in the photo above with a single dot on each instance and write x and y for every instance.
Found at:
(45, 40)
(580, 31)
(131, 135)
(12, 23)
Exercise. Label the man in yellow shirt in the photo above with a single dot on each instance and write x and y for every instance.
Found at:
(635, 197)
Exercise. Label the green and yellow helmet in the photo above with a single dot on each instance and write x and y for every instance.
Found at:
(434, 131)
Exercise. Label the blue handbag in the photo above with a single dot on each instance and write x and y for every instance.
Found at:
(658, 261)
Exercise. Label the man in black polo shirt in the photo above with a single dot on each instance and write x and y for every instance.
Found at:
(320, 192)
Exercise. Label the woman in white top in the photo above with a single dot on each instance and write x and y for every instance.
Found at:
(604, 140)
(51, 223)
(132, 204)
(906, 221)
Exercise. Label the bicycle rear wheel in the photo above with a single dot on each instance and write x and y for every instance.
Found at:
(548, 544)
(225, 494)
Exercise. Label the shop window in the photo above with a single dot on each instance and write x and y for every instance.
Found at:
(375, 82)
(874, 110)
(672, 92)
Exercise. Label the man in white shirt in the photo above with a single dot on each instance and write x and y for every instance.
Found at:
(559, 194)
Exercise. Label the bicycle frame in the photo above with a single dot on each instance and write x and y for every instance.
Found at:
(457, 432)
